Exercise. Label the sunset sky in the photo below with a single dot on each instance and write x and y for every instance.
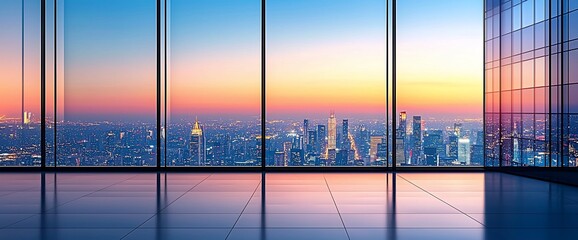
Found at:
(322, 55)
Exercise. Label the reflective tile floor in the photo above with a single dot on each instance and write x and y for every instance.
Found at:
(317, 206)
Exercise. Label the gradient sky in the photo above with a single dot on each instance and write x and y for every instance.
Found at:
(11, 57)
(440, 58)
(322, 55)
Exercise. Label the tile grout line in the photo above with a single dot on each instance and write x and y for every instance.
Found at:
(442, 201)
(337, 208)
(45, 211)
(158, 212)
(242, 211)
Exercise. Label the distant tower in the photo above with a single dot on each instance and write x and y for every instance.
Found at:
(401, 130)
(345, 135)
(416, 140)
(332, 132)
(197, 148)
(374, 141)
(305, 134)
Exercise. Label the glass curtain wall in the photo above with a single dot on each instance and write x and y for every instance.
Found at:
(106, 83)
(20, 105)
(214, 83)
(531, 90)
(326, 83)
(439, 104)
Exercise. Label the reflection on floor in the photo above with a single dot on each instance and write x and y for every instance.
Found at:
(290, 206)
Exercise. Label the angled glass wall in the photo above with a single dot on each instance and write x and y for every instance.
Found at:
(106, 94)
(531, 47)
(439, 103)
(20, 105)
(214, 83)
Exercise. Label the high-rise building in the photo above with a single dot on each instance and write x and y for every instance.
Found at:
(374, 140)
(402, 128)
(311, 141)
(345, 144)
(362, 142)
(452, 151)
(416, 140)
(431, 156)
(321, 137)
(464, 151)
(480, 138)
(305, 134)
(332, 132)
(381, 154)
(296, 157)
(477, 155)
(197, 150)
(279, 159)
(341, 158)
(434, 138)
(287, 146)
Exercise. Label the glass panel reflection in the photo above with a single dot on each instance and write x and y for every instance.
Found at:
(214, 83)
(108, 111)
(325, 98)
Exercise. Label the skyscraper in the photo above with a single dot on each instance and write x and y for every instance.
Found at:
(321, 137)
(401, 130)
(362, 142)
(345, 135)
(464, 151)
(452, 151)
(296, 157)
(305, 134)
(416, 141)
(287, 146)
(374, 140)
(332, 132)
(312, 141)
(197, 150)
(279, 159)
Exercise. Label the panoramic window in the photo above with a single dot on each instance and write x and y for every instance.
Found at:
(439, 81)
(214, 83)
(326, 93)
(20, 105)
(107, 87)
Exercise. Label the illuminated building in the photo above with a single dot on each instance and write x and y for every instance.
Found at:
(197, 151)
(464, 152)
(416, 141)
(332, 132)
(374, 140)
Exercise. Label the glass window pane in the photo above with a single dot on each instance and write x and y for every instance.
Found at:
(325, 83)
(214, 85)
(20, 83)
(527, 13)
(528, 74)
(108, 83)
